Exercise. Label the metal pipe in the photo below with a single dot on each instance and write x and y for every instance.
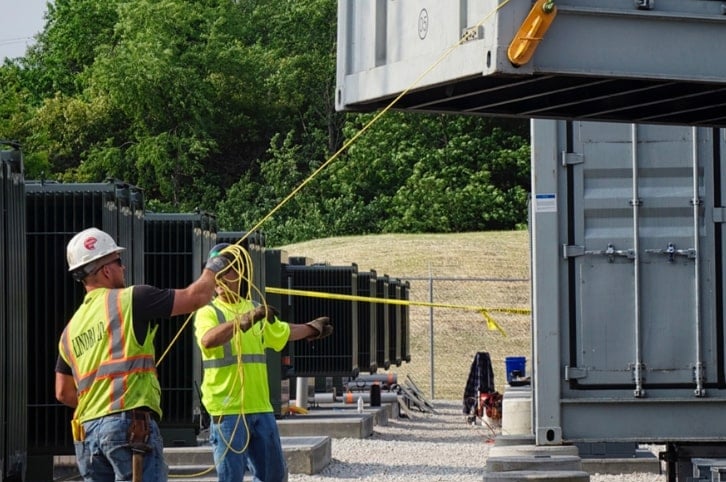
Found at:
(359, 386)
(351, 398)
(431, 329)
(301, 392)
(700, 391)
(383, 378)
(639, 391)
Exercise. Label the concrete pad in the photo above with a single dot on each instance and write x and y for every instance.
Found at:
(304, 455)
(533, 450)
(380, 414)
(522, 439)
(614, 466)
(533, 463)
(526, 475)
(336, 425)
(592, 465)
(307, 455)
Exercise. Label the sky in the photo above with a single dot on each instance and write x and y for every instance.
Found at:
(19, 22)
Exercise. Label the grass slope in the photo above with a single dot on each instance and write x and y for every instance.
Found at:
(484, 269)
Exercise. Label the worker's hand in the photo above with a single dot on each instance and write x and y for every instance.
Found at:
(218, 263)
(267, 312)
(244, 321)
(322, 327)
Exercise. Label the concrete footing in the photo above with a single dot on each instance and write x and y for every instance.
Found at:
(541, 462)
(526, 475)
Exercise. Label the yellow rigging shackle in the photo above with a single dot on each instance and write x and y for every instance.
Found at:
(531, 32)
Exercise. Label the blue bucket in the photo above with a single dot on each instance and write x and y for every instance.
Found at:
(516, 367)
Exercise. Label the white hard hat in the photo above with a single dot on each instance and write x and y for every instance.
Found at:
(86, 247)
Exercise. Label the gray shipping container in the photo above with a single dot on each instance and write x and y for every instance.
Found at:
(641, 61)
(628, 283)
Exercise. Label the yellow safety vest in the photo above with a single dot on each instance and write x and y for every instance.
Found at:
(235, 374)
(112, 371)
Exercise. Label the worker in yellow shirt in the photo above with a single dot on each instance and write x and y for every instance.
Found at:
(233, 334)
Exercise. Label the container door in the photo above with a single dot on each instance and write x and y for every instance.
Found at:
(641, 313)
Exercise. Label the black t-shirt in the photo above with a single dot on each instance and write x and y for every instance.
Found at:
(147, 303)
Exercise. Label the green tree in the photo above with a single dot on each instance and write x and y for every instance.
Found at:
(228, 107)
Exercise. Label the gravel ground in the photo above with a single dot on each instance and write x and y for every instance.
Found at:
(425, 447)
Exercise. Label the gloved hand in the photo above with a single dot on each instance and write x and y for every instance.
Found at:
(218, 263)
(268, 312)
(322, 326)
(248, 319)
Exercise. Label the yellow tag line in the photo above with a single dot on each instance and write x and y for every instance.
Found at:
(485, 312)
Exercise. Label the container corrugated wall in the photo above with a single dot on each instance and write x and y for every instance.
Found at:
(54, 214)
(336, 355)
(13, 318)
(365, 285)
(176, 247)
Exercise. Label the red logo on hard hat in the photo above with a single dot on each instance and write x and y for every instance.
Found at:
(90, 243)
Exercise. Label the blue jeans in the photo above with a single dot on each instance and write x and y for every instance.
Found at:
(105, 456)
(262, 456)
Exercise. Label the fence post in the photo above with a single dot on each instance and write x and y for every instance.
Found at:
(431, 330)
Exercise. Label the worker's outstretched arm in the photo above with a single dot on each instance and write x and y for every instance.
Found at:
(200, 292)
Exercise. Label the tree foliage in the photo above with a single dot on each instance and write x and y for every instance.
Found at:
(228, 107)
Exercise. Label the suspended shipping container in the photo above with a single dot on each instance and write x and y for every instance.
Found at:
(644, 61)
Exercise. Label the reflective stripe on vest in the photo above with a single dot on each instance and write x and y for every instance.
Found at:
(229, 359)
(117, 367)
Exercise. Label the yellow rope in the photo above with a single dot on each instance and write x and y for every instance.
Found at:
(491, 324)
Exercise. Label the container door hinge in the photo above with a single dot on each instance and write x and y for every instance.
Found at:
(572, 251)
(572, 158)
(574, 373)
(699, 377)
(638, 370)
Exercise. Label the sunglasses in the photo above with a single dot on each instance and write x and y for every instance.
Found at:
(117, 261)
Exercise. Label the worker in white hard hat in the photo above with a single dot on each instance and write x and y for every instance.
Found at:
(106, 367)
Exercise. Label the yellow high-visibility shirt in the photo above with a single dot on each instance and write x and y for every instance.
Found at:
(235, 374)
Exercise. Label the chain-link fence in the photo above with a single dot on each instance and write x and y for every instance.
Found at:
(455, 334)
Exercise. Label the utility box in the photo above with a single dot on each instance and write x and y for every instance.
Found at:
(644, 61)
(627, 225)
